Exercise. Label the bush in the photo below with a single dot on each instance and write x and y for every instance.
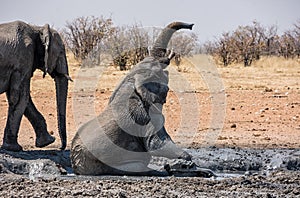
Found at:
(89, 37)
(84, 34)
(248, 43)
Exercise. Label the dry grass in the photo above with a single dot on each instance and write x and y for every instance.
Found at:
(269, 62)
(72, 60)
(266, 73)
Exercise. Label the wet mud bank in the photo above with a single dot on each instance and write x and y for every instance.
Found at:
(240, 172)
(220, 160)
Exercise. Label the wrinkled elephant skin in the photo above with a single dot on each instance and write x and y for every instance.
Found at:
(23, 49)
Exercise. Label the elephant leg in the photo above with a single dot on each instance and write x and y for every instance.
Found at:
(43, 138)
(17, 96)
(161, 145)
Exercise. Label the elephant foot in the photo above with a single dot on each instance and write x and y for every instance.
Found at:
(11, 147)
(182, 168)
(44, 140)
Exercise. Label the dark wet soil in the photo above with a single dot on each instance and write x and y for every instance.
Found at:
(240, 172)
(277, 184)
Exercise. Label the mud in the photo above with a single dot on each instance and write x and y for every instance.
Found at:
(239, 172)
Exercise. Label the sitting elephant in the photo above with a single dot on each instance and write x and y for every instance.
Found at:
(23, 49)
(122, 139)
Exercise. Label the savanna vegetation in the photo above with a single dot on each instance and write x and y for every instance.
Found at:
(248, 43)
(90, 38)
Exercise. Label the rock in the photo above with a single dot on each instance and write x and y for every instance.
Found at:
(267, 89)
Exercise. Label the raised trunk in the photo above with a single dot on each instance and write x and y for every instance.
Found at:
(61, 83)
(161, 43)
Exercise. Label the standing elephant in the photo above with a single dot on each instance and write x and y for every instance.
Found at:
(122, 139)
(23, 49)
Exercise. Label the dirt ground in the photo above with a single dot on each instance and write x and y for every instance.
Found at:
(208, 105)
(257, 106)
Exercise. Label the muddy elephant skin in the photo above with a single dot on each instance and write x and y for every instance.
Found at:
(122, 139)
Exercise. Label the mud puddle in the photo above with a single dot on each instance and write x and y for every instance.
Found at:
(240, 173)
(225, 162)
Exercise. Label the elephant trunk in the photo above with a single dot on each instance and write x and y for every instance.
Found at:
(61, 83)
(161, 43)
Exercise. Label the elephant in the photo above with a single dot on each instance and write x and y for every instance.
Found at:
(123, 138)
(23, 49)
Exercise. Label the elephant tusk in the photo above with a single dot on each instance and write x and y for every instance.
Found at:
(171, 55)
(68, 77)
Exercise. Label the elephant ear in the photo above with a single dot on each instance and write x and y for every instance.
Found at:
(46, 39)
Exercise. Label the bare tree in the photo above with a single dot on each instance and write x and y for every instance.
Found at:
(210, 47)
(296, 37)
(128, 45)
(83, 34)
(289, 45)
(183, 44)
(246, 44)
(116, 46)
(296, 33)
(139, 42)
(225, 48)
(249, 42)
(271, 40)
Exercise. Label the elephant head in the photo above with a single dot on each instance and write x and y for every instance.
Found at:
(55, 64)
(153, 87)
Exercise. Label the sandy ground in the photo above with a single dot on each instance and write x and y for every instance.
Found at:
(253, 107)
